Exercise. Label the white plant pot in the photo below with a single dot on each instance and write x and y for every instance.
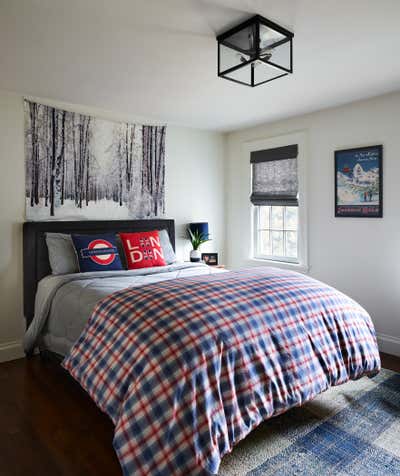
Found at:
(195, 256)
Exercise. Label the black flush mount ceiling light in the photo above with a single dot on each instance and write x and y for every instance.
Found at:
(255, 52)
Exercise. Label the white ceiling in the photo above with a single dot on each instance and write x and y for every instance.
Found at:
(157, 58)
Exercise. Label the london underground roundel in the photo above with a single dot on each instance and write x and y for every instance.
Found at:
(98, 247)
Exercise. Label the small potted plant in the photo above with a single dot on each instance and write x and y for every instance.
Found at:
(197, 239)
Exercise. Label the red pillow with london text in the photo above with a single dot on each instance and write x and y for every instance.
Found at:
(142, 249)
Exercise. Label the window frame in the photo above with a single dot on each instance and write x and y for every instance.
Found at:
(301, 139)
(256, 232)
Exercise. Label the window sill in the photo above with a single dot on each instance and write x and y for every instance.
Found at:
(301, 268)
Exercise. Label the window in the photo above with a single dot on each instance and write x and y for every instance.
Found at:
(276, 233)
(275, 203)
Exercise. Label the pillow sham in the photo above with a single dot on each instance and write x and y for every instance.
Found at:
(143, 249)
(62, 256)
(168, 251)
(97, 252)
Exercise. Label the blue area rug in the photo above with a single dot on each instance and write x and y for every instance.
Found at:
(353, 429)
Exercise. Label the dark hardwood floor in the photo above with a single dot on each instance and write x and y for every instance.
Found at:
(50, 427)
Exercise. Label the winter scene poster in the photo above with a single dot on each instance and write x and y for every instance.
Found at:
(79, 167)
(358, 178)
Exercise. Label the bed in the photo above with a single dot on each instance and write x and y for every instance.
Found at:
(187, 360)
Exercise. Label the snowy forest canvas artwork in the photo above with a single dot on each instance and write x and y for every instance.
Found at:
(81, 167)
(358, 177)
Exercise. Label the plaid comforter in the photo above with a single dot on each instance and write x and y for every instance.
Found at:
(187, 368)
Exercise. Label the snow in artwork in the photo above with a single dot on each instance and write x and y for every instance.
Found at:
(80, 167)
(358, 182)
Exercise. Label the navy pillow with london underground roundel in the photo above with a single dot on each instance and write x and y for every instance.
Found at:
(97, 252)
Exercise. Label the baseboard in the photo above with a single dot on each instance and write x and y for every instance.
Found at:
(389, 344)
(11, 351)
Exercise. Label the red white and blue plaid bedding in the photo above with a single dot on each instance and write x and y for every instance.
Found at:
(187, 368)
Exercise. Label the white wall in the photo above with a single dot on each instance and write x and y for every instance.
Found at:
(12, 204)
(361, 257)
(194, 192)
(195, 185)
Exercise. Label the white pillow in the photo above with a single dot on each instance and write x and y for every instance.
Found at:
(168, 251)
(62, 256)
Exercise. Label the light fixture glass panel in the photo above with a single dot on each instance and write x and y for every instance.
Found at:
(243, 40)
(242, 74)
(230, 58)
(265, 72)
(278, 54)
(269, 37)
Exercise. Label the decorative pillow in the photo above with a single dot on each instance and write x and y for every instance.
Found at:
(97, 252)
(62, 256)
(143, 249)
(168, 251)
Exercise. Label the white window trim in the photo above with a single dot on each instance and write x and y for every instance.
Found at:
(299, 138)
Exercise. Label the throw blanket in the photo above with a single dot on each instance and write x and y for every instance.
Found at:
(187, 368)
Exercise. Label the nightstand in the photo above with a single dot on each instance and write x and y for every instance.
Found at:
(219, 266)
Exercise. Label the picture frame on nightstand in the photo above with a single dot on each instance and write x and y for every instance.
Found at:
(210, 258)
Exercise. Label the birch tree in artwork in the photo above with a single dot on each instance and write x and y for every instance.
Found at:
(78, 166)
(129, 139)
(34, 192)
(58, 129)
(154, 166)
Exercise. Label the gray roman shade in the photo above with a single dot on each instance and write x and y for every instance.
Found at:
(274, 176)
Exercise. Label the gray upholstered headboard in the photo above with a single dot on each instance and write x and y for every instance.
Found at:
(36, 259)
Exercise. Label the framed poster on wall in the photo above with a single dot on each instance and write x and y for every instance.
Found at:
(358, 182)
